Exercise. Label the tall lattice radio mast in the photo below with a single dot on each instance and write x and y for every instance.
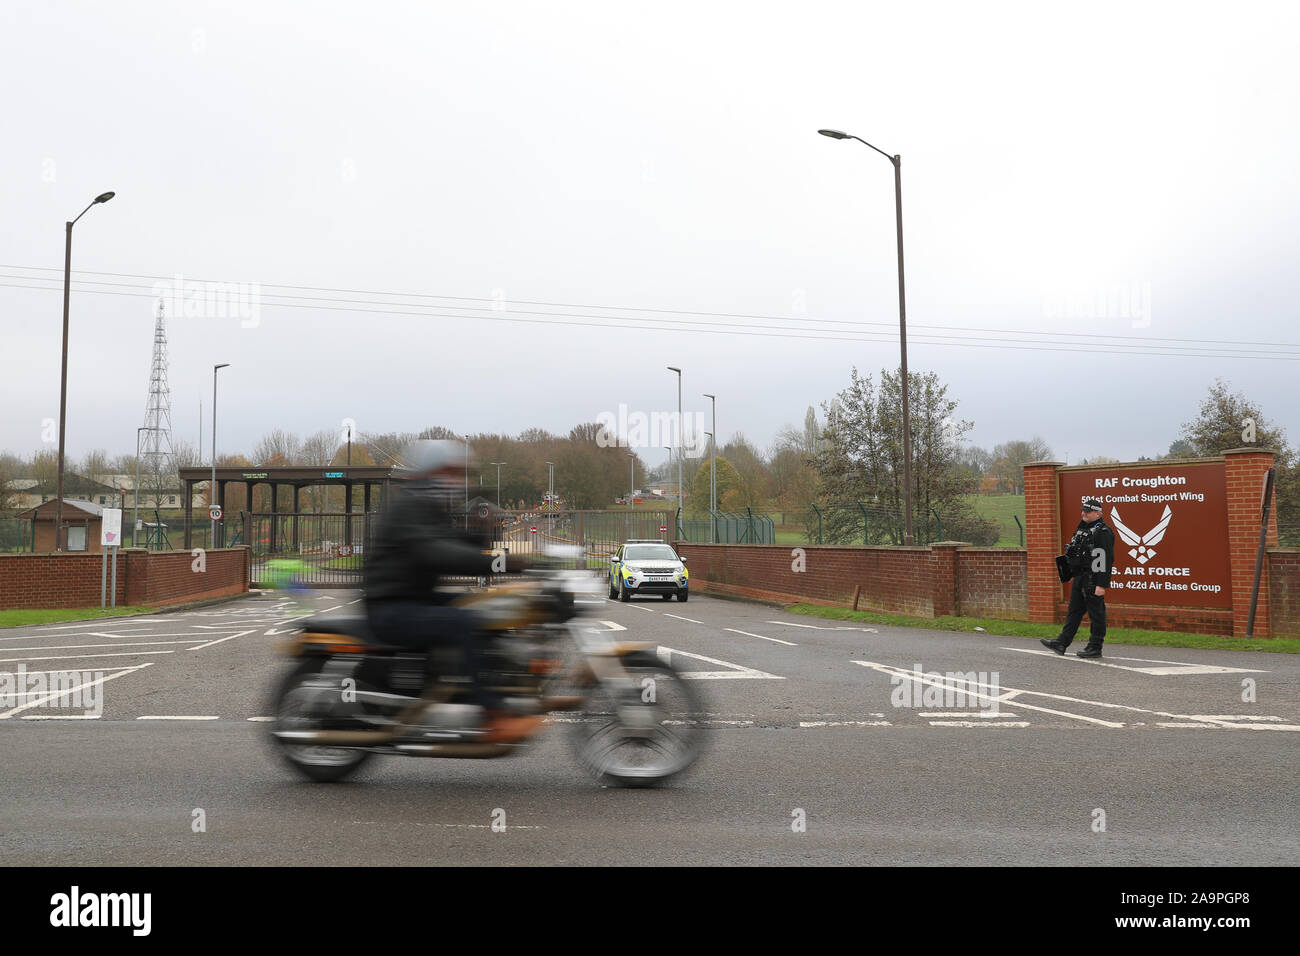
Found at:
(157, 458)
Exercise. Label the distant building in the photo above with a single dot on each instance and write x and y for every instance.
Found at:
(81, 518)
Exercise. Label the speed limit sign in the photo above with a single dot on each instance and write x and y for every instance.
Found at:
(483, 511)
(215, 512)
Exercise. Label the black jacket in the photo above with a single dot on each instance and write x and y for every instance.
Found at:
(414, 545)
(1079, 552)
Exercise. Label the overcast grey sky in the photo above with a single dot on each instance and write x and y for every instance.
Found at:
(657, 156)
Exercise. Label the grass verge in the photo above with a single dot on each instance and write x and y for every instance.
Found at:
(1115, 635)
(23, 616)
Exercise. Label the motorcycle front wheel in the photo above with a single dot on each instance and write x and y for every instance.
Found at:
(644, 733)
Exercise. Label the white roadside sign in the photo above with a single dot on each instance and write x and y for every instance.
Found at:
(110, 530)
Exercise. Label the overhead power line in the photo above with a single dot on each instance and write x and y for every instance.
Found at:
(705, 322)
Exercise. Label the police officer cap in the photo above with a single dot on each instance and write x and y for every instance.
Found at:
(1091, 504)
(427, 455)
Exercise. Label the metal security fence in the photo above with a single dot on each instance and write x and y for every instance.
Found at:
(16, 534)
(725, 527)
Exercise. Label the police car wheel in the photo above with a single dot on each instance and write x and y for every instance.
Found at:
(682, 596)
(622, 592)
(667, 597)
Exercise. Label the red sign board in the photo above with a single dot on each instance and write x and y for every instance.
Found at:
(663, 529)
(1171, 528)
(533, 529)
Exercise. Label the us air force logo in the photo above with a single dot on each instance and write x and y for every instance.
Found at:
(1142, 547)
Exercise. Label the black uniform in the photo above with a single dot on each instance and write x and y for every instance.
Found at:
(416, 544)
(1091, 554)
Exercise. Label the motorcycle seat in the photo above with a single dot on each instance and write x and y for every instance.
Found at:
(356, 626)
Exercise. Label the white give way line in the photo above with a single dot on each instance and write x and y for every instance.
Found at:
(819, 627)
(972, 691)
(1174, 668)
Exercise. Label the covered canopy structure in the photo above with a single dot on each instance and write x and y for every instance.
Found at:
(369, 477)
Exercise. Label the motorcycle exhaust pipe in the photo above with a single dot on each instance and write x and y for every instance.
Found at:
(335, 738)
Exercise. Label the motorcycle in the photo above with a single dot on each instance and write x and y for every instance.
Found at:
(633, 720)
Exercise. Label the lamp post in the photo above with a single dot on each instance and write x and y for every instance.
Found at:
(498, 464)
(63, 375)
(897, 160)
(679, 442)
(713, 466)
(135, 494)
(212, 485)
(631, 488)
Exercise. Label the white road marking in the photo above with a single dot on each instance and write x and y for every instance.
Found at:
(845, 723)
(262, 718)
(774, 640)
(92, 622)
(970, 713)
(638, 607)
(220, 640)
(613, 626)
(942, 682)
(738, 671)
(75, 647)
(1233, 717)
(1014, 692)
(680, 618)
(978, 723)
(176, 717)
(819, 627)
(1175, 668)
(83, 657)
(59, 717)
(61, 692)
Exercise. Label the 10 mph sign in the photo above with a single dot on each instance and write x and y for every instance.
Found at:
(215, 512)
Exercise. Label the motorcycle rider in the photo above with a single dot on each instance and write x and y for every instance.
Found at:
(415, 544)
(1091, 554)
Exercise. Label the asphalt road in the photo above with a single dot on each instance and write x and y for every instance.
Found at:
(1150, 756)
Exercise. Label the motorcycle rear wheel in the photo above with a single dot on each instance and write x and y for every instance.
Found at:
(292, 710)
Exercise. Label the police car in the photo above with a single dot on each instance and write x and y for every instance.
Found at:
(648, 567)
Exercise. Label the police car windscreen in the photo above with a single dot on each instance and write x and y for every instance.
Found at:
(649, 552)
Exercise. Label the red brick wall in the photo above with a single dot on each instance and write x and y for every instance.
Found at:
(892, 579)
(993, 582)
(1283, 566)
(924, 582)
(143, 578)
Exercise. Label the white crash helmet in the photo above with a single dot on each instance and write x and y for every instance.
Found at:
(425, 456)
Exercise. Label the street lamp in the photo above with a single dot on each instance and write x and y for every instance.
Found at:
(212, 486)
(63, 376)
(902, 325)
(498, 464)
(631, 488)
(713, 466)
(679, 442)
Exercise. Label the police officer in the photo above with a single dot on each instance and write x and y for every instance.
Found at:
(1091, 554)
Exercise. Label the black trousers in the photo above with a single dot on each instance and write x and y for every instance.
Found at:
(1082, 599)
(420, 626)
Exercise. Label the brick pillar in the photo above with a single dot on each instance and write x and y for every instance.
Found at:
(1042, 538)
(943, 577)
(1245, 470)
